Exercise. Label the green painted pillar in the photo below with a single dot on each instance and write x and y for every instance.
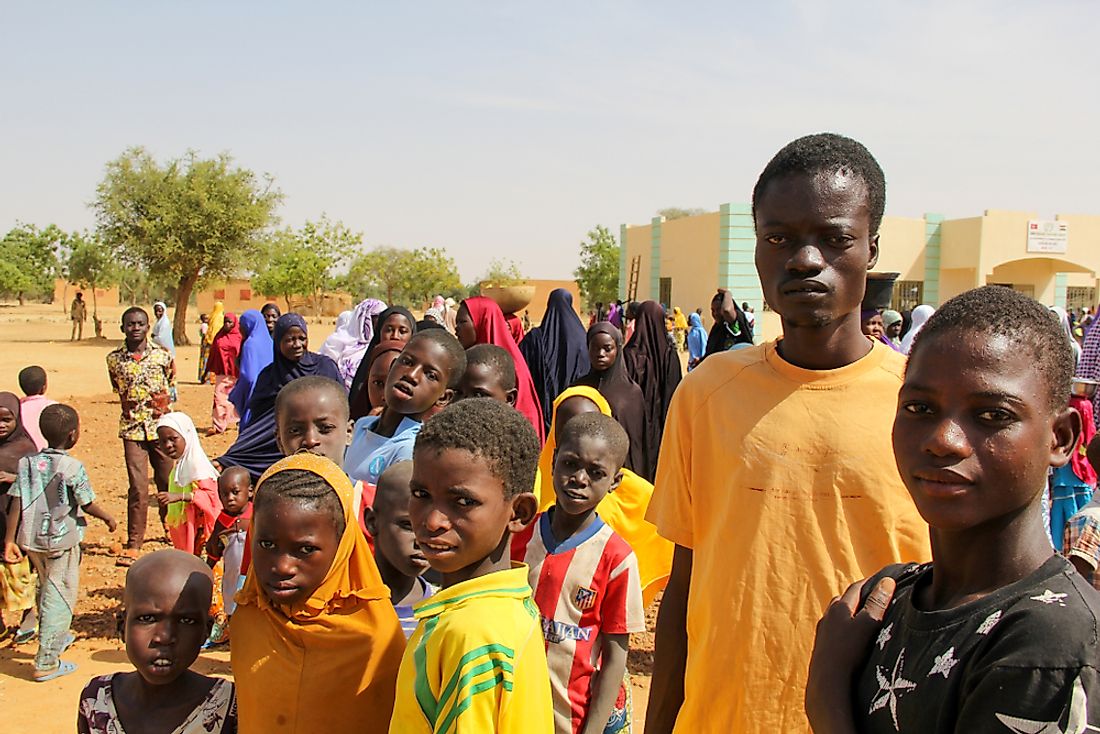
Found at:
(624, 273)
(932, 226)
(737, 257)
(655, 259)
(1061, 281)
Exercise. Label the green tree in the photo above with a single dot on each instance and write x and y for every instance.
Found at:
(598, 274)
(13, 281)
(33, 253)
(301, 263)
(398, 275)
(502, 272)
(191, 219)
(91, 263)
(675, 212)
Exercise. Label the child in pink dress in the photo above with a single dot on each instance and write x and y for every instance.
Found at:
(192, 496)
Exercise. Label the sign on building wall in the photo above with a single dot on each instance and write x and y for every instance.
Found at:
(1047, 236)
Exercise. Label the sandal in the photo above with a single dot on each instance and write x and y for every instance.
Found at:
(24, 636)
(63, 668)
(126, 558)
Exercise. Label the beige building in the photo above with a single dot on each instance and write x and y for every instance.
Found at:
(1055, 261)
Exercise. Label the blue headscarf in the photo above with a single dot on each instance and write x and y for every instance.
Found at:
(255, 448)
(257, 352)
(696, 337)
(556, 350)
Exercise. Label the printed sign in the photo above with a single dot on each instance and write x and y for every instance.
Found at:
(1047, 236)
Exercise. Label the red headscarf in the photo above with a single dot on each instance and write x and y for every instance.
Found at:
(225, 351)
(491, 328)
(515, 326)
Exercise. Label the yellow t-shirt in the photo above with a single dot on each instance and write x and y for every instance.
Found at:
(476, 662)
(782, 480)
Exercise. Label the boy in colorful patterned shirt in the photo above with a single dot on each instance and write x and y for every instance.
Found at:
(998, 633)
(586, 581)
(143, 374)
(476, 662)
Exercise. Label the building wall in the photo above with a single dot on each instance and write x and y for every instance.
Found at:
(901, 247)
(64, 293)
(689, 256)
(236, 295)
(638, 242)
(537, 309)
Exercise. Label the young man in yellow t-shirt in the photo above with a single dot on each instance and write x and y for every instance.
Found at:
(777, 480)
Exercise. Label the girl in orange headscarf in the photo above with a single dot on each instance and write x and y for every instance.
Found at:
(316, 643)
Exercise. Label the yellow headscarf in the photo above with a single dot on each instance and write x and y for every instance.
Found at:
(680, 320)
(326, 664)
(624, 509)
(217, 317)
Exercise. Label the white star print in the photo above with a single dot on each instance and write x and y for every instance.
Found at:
(944, 663)
(1049, 597)
(1077, 723)
(892, 689)
(989, 623)
(884, 636)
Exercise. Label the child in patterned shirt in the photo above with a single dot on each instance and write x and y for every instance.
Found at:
(998, 633)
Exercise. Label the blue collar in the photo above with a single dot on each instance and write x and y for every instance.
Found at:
(552, 544)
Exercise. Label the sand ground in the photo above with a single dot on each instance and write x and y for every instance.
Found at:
(38, 334)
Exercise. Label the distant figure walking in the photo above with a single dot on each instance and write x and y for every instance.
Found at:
(78, 313)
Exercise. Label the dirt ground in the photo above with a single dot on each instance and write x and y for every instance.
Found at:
(38, 334)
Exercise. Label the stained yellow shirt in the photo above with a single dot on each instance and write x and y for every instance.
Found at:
(783, 483)
(476, 662)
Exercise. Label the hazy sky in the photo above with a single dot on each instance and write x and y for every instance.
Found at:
(508, 129)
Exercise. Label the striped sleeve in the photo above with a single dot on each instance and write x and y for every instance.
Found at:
(476, 673)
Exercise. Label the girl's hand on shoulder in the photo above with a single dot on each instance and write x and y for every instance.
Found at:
(12, 554)
(844, 634)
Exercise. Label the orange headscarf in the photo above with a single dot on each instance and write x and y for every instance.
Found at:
(326, 664)
(624, 509)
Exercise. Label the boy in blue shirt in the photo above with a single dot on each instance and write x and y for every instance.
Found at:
(45, 523)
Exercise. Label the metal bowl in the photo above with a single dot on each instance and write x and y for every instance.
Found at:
(1084, 388)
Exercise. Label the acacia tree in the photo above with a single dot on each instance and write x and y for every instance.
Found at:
(301, 263)
(91, 263)
(191, 219)
(403, 276)
(30, 255)
(598, 274)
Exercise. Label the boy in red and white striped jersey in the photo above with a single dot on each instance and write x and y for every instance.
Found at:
(585, 579)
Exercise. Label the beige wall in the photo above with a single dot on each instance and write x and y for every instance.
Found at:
(537, 308)
(639, 242)
(236, 295)
(64, 293)
(689, 256)
(901, 247)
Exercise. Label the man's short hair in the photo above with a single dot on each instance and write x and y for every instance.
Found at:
(497, 359)
(56, 422)
(600, 426)
(134, 309)
(827, 153)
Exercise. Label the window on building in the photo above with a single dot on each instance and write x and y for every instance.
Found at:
(1080, 297)
(246, 294)
(219, 295)
(666, 292)
(908, 294)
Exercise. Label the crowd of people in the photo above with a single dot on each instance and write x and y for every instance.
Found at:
(455, 523)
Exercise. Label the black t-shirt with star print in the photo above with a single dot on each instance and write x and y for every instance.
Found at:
(1022, 659)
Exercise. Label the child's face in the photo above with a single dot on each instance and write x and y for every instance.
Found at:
(459, 512)
(482, 381)
(465, 331)
(235, 491)
(293, 344)
(376, 377)
(158, 311)
(602, 351)
(293, 546)
(394, 538)
(395, 328)
(974, 433)
(316, 422)
(418, 378)
(894, 330)
(7, 422)
(814, 246)
(584, 472)
(171, 443)
(167, 620)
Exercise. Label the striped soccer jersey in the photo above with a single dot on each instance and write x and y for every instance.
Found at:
(585, 586)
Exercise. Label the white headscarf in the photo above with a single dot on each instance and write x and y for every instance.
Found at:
(162, 329)
(361, 330)
(194, 465)
(340, 339)
(921, 314)
(1063, 319)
